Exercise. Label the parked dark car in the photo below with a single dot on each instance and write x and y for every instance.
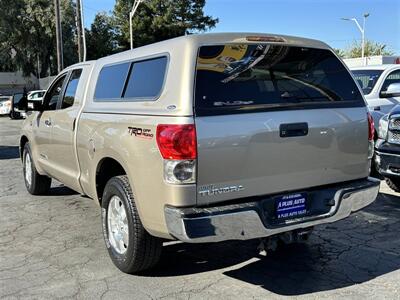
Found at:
(387, 148)
(18, 101)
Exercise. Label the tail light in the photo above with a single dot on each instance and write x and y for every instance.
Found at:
(177, 141)
(178, 147)
(371, 135)
(371, 128)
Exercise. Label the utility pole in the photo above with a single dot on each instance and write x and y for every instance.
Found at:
(83, 31)
(60, 55)
(79, 28)
(38, 66)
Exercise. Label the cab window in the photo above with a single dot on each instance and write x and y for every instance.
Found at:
(140, 80)
(111, 82)
(53, 95)
(146, 79)
(70, 91)
(393, 77)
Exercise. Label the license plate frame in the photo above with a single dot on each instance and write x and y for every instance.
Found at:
(291, 206)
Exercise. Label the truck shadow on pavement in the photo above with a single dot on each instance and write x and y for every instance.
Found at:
(9, 152)
(352, 251)
(61, 190)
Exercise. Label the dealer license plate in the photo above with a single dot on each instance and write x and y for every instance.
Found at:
(291, 206)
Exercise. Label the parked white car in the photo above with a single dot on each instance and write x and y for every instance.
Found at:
(380, 85)
(36, 95)
(5, 105)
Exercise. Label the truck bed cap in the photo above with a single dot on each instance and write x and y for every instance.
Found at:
(197, 40)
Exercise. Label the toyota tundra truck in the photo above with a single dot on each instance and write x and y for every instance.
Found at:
(205, 138)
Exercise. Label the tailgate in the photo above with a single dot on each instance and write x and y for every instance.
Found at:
(246, 153)
(273, 119)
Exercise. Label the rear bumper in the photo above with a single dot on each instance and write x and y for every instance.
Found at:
(4, 111)
(250, 220)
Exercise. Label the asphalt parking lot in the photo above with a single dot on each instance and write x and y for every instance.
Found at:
(52, 247)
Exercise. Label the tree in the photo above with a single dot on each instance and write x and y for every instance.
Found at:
(101, 38)
(371, 48)
(69, 32)
(339, 52)
(157, 20)
(27, 32)
(6, 63)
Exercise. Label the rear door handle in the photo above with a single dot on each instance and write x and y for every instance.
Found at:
(47, 122)
(293, 129)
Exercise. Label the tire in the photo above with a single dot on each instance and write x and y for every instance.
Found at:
(35, 183)
(393, 183)
(131, 248)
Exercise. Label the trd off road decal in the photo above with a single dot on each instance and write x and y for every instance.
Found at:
(143, 133)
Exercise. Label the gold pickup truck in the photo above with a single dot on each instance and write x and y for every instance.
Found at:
(205, 138)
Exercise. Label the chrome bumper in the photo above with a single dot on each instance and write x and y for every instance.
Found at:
(387, 164)
(247, 221)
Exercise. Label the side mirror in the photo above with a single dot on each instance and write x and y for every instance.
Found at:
(35, 105)
(393, 90)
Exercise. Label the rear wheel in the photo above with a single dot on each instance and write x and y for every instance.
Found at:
(393, 183)
(131, 247)
(35, 183)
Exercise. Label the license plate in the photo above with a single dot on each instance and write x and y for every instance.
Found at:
(291, 206)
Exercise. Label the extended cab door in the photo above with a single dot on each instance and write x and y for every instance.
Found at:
(65, 165)
(43, 124)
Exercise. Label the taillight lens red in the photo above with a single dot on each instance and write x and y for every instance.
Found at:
(371, 128)
(177, 141)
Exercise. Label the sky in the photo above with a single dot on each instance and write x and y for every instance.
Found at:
(318, 19)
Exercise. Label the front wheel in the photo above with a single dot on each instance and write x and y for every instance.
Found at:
(35, 183)
(393, 183)
(131, 248)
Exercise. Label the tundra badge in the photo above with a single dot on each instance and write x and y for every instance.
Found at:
(211, 190)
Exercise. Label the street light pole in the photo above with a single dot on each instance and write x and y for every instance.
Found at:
(131, 15)
(362, 30)
(363, 34)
